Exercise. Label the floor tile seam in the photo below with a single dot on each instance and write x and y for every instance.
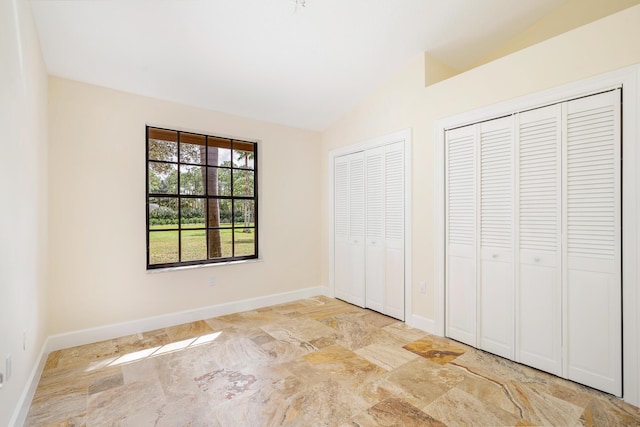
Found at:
(59, 395)
(392, 368)
(501, 386)
(45, 413)
(425, 407)
(436, 403)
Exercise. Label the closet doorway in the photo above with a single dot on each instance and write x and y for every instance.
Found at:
(370, 227)
(533, 231)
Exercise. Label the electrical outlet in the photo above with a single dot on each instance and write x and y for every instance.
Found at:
(8, 368)
(212, 280)
(423, 287)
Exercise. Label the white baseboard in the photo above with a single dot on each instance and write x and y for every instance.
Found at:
(101, 333)
(427, 325)
(87, 336)
(22, 408)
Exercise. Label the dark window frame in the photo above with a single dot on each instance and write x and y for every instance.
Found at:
(231, 198)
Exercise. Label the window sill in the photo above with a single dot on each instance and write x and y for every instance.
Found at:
(194, 267)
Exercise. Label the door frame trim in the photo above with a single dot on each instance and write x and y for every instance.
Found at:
(404, 136)
(629, 79)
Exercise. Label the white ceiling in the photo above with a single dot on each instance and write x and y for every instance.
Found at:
(268, 59)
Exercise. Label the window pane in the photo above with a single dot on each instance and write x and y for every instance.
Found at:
(163, 213)
(192, 148)
(245, 241)
(220, 243)
(219, 213)
(244, 213)
(219, 152)
(219, 182)
(194, 245)
(242, 182)
(163, 145)
(163, 178)
(197, 186)
(192, 180)
(192, 213)
(243, 155)
(163, 247)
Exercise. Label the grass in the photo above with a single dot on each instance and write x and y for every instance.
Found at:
(163, 245)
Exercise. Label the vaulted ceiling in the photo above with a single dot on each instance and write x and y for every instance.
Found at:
(302, 64)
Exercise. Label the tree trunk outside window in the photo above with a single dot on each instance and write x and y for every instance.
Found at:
(213, 218)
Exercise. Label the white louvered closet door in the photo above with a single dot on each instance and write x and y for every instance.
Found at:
(496, 285)
(461, 234)
(538, 225)
(375, 265)
(394, 230)
(533, 238)
(385, 230)
(349, 224)
(341, 224)
(593, 244)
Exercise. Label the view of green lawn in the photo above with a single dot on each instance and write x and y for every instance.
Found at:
(195, 182)
(163, 245)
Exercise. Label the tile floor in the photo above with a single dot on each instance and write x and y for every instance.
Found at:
(313, 362)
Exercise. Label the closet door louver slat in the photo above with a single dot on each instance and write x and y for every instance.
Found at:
(394, 192)
(341, 199)
(356, 197)
(461, 190)
(538, 178)
(375, 195)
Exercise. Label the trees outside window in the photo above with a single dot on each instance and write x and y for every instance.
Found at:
(201, 199)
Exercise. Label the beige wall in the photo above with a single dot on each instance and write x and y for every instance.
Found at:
(23, 224)
(97, 210)
(571, 14)
(601, 46)
(74, 180)
(435, 71)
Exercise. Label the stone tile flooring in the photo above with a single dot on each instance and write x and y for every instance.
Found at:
(313, 362)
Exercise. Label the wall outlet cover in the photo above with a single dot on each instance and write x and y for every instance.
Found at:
(423, 287)
(8, 368)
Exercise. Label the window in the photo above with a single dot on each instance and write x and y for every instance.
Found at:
(202, 199)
